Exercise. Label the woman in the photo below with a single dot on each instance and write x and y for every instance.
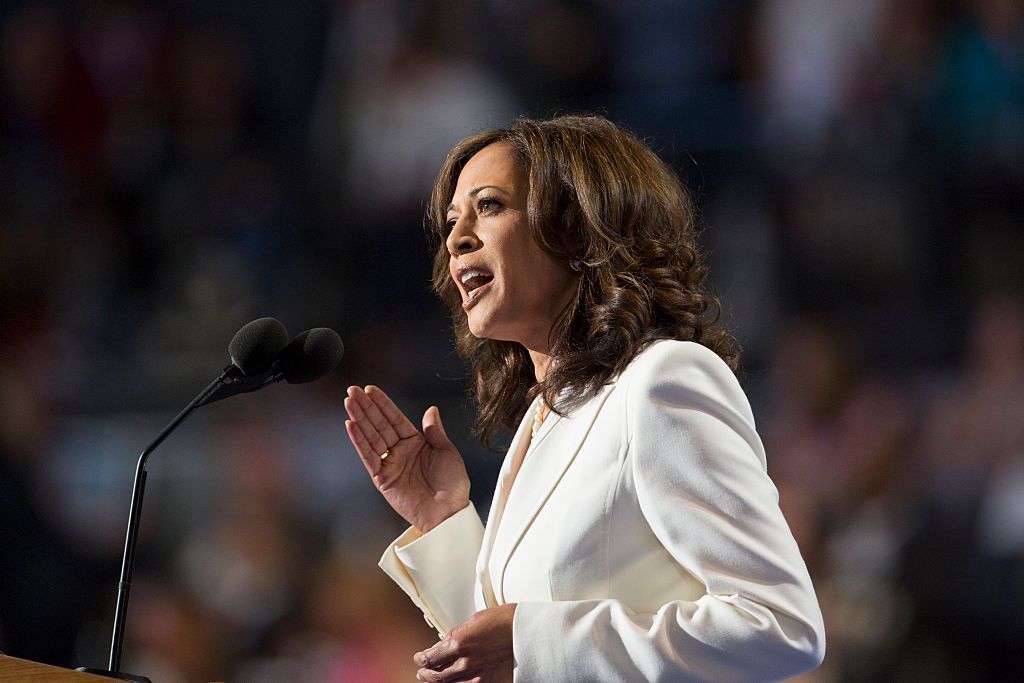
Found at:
(634, 533)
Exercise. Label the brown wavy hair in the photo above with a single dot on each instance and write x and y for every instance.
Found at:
(602, 200)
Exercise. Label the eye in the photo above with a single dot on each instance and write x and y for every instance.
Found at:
(450, 224)
(489, 205)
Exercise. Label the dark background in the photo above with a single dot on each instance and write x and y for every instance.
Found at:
(170, 170)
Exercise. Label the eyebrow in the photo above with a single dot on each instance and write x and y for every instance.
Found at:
(475, 191)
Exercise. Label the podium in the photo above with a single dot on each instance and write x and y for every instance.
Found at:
(17, 670)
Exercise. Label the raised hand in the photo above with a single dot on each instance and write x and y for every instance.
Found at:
(422, 475)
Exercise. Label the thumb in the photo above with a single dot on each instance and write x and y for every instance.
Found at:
(433, 429)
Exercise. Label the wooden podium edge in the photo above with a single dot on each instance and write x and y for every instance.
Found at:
(13, 669)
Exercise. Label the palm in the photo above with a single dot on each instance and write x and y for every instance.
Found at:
(423, 477)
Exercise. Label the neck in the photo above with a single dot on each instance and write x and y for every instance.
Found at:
(541, 363)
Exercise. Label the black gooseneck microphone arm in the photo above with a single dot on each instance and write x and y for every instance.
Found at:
(138, 490)
(307, 357)
(256, 345)
(230, 382)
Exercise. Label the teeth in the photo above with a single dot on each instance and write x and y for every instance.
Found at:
(470, 274)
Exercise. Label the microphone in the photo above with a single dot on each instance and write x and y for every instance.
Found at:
(311, 355)
(260, 355)
(307, 357)
(254, 347)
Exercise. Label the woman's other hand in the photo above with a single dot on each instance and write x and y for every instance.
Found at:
(478, 649)
(423, 477)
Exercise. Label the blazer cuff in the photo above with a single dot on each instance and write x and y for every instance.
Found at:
(437, 570)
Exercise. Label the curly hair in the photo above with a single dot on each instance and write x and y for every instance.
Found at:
(602, 200)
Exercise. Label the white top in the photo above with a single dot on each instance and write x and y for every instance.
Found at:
(642, 540)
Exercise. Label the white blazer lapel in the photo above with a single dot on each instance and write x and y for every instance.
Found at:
(485, 596)
(537, 479)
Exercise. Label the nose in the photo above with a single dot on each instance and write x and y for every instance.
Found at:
(462, 240)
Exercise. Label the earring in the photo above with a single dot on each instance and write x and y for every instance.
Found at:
(576, 265)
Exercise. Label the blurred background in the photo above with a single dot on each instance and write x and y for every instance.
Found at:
(170, 170)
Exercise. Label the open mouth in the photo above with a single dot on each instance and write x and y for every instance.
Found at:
(474, 279)
(475, 282)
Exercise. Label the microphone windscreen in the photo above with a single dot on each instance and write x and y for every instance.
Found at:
(256, 345)
(311, 355)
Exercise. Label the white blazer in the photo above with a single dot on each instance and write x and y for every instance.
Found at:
(642, 540)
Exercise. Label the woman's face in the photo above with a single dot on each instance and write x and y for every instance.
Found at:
(511, 289)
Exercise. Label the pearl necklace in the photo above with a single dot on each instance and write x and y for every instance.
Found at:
(537, 419)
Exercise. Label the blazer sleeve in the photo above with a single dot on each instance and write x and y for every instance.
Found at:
(437, 570)
(698, 471)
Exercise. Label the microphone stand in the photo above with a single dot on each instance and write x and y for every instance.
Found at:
(230, 382)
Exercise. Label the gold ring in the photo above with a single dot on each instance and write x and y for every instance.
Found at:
(385, 454)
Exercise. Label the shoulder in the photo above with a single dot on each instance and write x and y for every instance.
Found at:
(671, 359)
(686, 375)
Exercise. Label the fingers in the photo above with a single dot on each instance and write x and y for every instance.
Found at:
(480, 648)
(371, 435)
(433, 429)
(370, 457)
(395, 417)
(438, 657)
(371, 419)
(441, 663)
(456, 673)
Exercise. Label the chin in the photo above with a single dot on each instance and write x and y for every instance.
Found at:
(480, 331)
(476, 326)
(483, 327)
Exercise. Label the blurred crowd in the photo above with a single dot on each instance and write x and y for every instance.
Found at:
(170, 170)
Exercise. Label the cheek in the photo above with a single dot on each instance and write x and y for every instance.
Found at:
(551, 282)
(535, 273)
